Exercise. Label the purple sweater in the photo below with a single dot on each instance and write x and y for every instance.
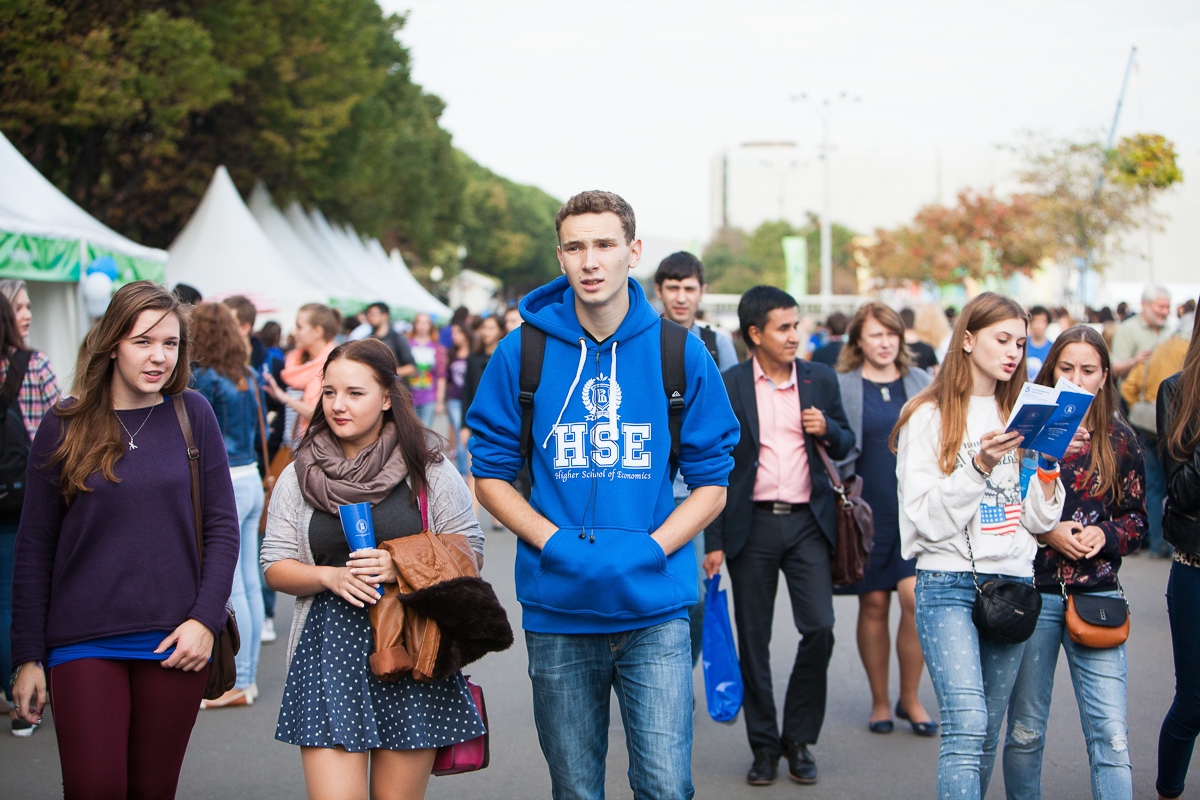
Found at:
(122, 558)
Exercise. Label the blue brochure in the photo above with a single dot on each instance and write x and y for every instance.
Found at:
(1048, 417)
(1029, 421)
(1056, 436)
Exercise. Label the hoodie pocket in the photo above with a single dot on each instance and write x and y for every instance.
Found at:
(622, 574)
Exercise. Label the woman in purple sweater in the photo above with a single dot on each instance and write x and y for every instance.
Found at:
(113, 613)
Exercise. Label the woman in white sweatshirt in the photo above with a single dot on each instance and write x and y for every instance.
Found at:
(959, 476)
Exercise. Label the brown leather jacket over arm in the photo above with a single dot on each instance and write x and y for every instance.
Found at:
(440, 615)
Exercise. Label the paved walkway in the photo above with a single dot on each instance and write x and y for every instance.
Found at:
(233, 753)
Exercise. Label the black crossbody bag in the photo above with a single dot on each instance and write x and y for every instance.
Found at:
(1005, 611)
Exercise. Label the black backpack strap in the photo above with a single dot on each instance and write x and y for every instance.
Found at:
(709, 337)
(674, 377)
(18, 365)
(533, 351)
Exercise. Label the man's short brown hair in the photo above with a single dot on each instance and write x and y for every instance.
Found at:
(597, 202)
(243, 309)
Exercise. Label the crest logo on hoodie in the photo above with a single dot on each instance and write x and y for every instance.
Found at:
(600, 446)
(601, 397)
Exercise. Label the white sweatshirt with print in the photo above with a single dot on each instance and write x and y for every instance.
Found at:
(936, 509)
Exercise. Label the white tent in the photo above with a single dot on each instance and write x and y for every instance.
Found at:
(310, 262)
(223, 251)
(417, 296)
(47, 240)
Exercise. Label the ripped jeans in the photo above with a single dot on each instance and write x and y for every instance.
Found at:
(1099, 680)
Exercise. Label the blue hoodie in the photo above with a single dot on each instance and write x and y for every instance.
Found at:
(601, 464)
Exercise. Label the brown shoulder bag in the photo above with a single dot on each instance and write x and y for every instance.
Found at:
(223, 674)
(855, 526)
(1094, 621)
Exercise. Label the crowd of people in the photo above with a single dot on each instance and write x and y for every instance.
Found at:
(625, 490)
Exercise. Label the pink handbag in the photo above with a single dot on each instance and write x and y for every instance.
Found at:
(470, 755)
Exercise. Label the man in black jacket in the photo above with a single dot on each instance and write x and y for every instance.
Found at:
(780, 515)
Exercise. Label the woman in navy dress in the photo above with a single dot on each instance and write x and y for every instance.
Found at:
(876, 377)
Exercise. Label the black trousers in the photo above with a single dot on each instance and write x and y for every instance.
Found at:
(794, 545)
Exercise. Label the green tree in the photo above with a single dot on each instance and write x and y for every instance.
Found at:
(130, 110)
(508, 229)
(736, 261)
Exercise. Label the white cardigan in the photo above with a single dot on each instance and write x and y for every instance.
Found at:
(288, 518)
(937, 509)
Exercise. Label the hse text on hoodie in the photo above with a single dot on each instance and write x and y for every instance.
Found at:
(601, 464)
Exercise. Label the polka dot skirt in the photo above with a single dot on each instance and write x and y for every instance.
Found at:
(331, 698)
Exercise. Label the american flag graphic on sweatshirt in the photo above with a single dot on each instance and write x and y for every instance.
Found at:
(999, 520)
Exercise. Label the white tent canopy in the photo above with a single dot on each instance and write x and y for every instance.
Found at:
(46, 239)
(309, 261)
(32, 205)
(223, 251)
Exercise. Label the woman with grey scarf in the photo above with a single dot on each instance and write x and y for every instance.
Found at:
(364, 444)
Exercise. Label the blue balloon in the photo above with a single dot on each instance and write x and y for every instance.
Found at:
(104, 265)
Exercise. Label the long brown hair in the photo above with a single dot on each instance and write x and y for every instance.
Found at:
(91, 439)
(850, 357)
(414, 439)
(1101, 473)
(1183, 430)
(950, 391)
(217, 343)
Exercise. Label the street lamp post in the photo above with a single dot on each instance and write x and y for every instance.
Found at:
(825, 110)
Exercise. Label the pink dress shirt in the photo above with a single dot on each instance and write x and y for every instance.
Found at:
(782, 458)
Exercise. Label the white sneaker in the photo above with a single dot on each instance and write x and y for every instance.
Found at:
(268, 631)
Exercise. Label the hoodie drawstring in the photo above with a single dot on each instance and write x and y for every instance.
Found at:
(570, 392)
(612, 406)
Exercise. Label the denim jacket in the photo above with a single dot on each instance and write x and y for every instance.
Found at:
(237, 413)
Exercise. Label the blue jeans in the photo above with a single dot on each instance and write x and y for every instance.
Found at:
(454, 412)
(1098, 676)
(8, 542)
(573, 675)
(1182, 724)
(426, 412)
(247, 598)
(1156, 495)
(972, 676)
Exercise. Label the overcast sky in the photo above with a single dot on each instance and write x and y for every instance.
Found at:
(638, 97)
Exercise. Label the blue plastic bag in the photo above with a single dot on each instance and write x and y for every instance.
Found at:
(722, 675)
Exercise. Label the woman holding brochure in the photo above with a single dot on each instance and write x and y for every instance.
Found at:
(966, 517)
(364, 444)
(1103, 519)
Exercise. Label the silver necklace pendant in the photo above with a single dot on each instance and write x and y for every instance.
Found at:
(887, 395)
(132, 446)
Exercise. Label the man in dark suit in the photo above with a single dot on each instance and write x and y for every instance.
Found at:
(780, 516)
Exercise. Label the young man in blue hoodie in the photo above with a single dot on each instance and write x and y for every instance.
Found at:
(605, 568)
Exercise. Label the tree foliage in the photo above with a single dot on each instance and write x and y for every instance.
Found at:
(1081, 199)
(735, 260)
(508, 229)
(977, 236)
(129, 106)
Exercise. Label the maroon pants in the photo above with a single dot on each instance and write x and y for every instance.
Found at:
(123, 726)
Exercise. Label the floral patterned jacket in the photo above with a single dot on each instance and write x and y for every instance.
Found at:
(1123, 522)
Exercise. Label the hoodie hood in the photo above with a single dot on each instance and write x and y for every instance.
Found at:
(552, 308)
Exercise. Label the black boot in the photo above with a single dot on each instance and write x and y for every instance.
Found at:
(765, 770)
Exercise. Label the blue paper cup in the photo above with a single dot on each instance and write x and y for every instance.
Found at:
(358, 527)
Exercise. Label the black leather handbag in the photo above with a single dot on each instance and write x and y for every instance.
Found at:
(1005, 611)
